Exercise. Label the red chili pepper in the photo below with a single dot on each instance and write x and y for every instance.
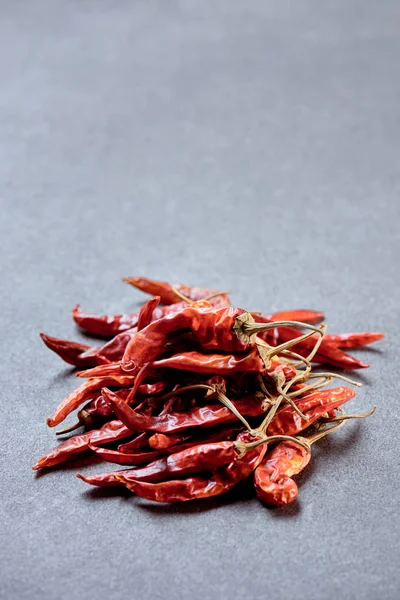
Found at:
(138, 442)
(353, 340)
(191, 460)
(112, 431)
(167, 292)
(105, 325)
(204, 416)
(223, 364)
(273, 479)
(110, 479)
(194, 488)
(97, 410)
(73, 353)
(82, 393)
(313, 405)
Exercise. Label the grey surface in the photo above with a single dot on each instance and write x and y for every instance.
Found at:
(249, 145)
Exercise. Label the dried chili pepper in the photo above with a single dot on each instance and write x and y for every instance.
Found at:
(167, 291)
(72, 353)
(97, 410)
(112, 431)
(84, 392)
(104, 325)
(192, 460)
(353, 340)
(194, 488)
(313, 405)
(273, 478)
(217, 367)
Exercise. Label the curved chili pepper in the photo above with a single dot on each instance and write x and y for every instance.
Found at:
(104, 325)
(223, 364)
(353, 340)
(195, 459)
(82, 355)
(98, 409)
(83, 393)
(273, 479)
(72, 353)
(114, 430)
(204, 416)
(167, 293)
(194, 488)
(146, 312)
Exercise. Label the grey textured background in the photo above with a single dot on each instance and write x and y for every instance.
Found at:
(249, 145)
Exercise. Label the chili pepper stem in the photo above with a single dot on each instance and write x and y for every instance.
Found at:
(246, 327)
(212, 389)
(189, 301)
(243, 447)
(335, 376)
(313, 386)
(69, 429)
(314, 438)
(268, 352)
(318, 342)
(211, 296)
(347, 417)
(290, 401)
(226, 402)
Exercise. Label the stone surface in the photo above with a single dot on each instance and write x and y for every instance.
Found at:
(252, 146)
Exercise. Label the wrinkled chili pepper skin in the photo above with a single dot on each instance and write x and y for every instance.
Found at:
(313, 405)
(192, 460)
(198, 362)
(167, 294)
(203, 416)
(111, 431)
(224, 364)
(273, 478)
(211, 328)
(110, 479)
(99, 409)
(353, 340)
(195, 488)
(82, 393)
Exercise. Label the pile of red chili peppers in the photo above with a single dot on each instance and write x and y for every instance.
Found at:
(196, 395)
